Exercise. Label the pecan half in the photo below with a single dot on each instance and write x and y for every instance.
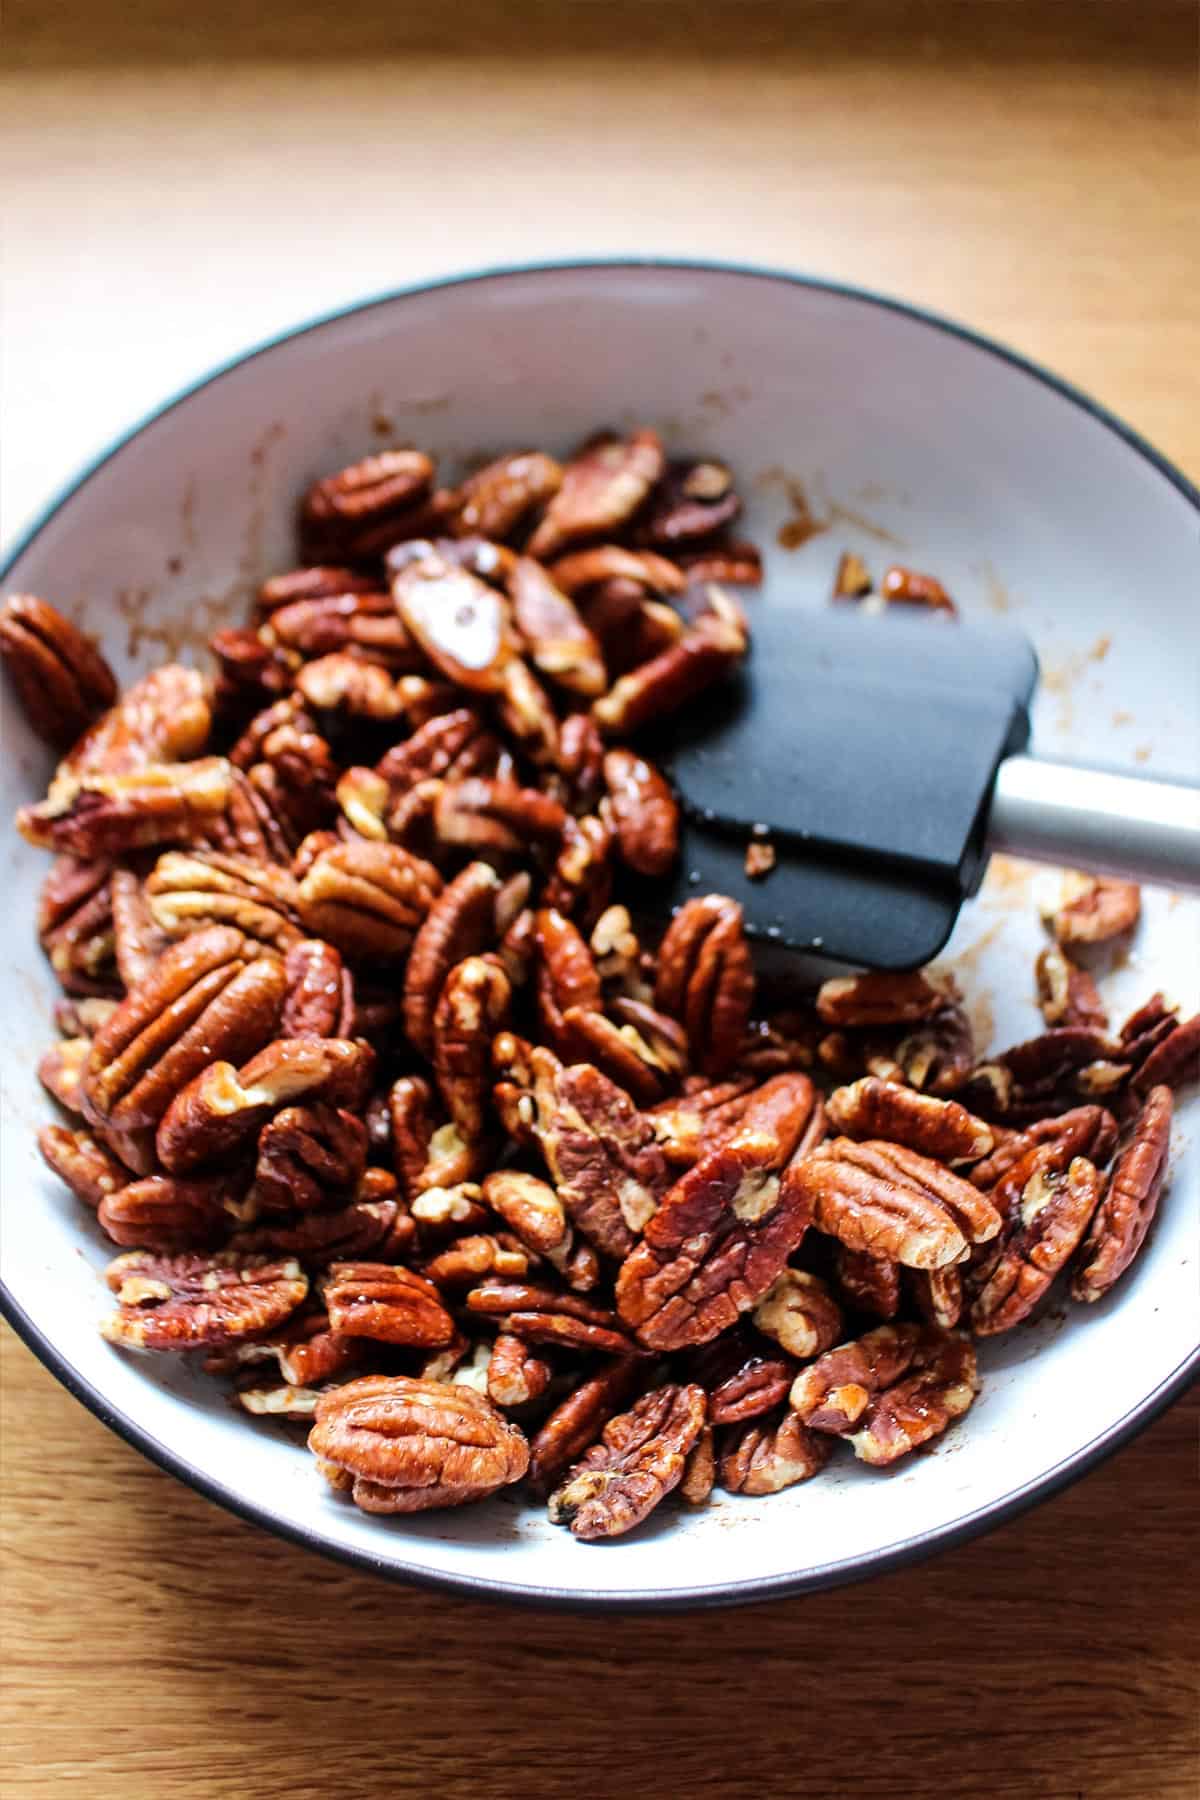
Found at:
(61, 1071)
(892, 1203)
(581, 881)
(706, 979)
(1124, 1216)
(482, 1253)
(1172, 1062)
(765, 1458)
(559, 642)
(941, 1388)
(724, 1231)
(566, 974)
(1055, 1210)
(941, 1129)
(606, 1166)
(90, 1171)
(938, 1295)
(1096, 910)
(601, 489)
(106, 815)
(367, 1228)
(799, 1312)
(319, 1001)
(500, 496)
(62, 681)
(362, 623)
(577, 1421)
(880, 999)
(75, 925)
(364, 505)
(473, 1007)
(407, 1445)
(304, 1350)
(367, 899)
(643, 811)
(705, 654)
(545, 1316)
(694, 501)
(309, 1157)
(699, 1471)
(834, 1392)
(869, 1284)
(514, 1375)
(605, 567)
(736, 564)
(644, 1055)
(163, 718)
(166, 1214)
(460, 623)
(638, 1461)
(390, 1304)
(189, 1302)
(1089, 1131)
(533, 1211)
(187, 890)
(496, 817)
(1067, 995)
(202, 1000)
(460, 923)
(939, 1054)
(138, 939)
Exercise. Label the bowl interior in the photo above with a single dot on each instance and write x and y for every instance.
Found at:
(893, 436)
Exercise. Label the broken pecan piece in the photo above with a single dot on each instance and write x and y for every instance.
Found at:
(514, 1375)
(1172, 1062)
(1124, 1216)
(890, 1202)
(799, 1312)
(869, 1284)
(189, 1302)
(1096, 909)
(545, 1316)
(705, 654)
(833, 1393)
(1067, 995)
(90, 1171)
(638, 1461)
(61, 1071)
(388, 1303)
(218, 1111)
(706, 979)
(407, 1445)
(75, 925)
(163, 718)
(765, 1457)
(880, 999)
(905, 587)
(941, 1129)
(62, 681)
(724, 1231)
(694, 501)
(559, 642)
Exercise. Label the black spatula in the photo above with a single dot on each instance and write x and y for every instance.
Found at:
(881, 758)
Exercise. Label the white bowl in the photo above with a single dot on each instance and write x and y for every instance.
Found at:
(919, 442)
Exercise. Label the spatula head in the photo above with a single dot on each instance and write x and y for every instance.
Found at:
(863, 750)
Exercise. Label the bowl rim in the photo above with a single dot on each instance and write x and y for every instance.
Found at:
(720, 1593)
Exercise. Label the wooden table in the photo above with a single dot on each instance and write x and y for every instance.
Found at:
(1028, 168)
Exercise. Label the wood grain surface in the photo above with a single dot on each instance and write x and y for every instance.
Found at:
(1030, 168)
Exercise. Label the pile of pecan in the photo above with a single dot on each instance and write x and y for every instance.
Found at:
(400, 1125)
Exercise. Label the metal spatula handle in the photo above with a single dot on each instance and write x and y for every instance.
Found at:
(1132, 826)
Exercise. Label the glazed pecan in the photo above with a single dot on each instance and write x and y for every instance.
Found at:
(892, 1203)
(705, 654)
(363, 797)
(75, 925)
(500, 496)
(601, 489)
(460, 622)
(473, 1007)
(880, 999)
(406, 1445)
(190, 1302)
(319, 1001)
(606, 1166)
(527, 713)
(514, 1375)
(252, 674)
(941, 1129)
(62, 681)
(577, 1421)
(699, 1471)
(163, 718)
(1089, 1131)
(189, 889)
(537, 1217)
(757, 1383)
(345, 683)
(724, 1231)
(367, 899)
(496, 817)
(690, 1126)
(304, 1350)
(937, 1294)
(645, 1053)
(1124, 1216)
(410, 1127)
(202, 1000)
(464, 1261)
(363, 623)
(607, 567)
(639, 1459)
(581, 881)
(566, 974)
(799, 1312)
(445, 1211)
(834, 1392)
(1067, 995)
(106, 815)
(543, 1315)
(1096, 909)
(737, 564)
(138, 939)
(84, 1015)
(364, 506)
(166, 1214)
(558, 641)
(390, 1304)
(580, 762)
(90, 1171)
(460, 923)
(317, 583)
(938, 1055)
(694, 501)
(309, 1157)
(866, 1283)
(367, 1228)
(630, 629)
(763, 1458)
(643, 811)
(450, 746)
(706, 979)
(223, 1107)
(1172, 1062)
(941, 1387)
(1055, 1210)
(295, 780)
(905, 587)
(618, 955)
